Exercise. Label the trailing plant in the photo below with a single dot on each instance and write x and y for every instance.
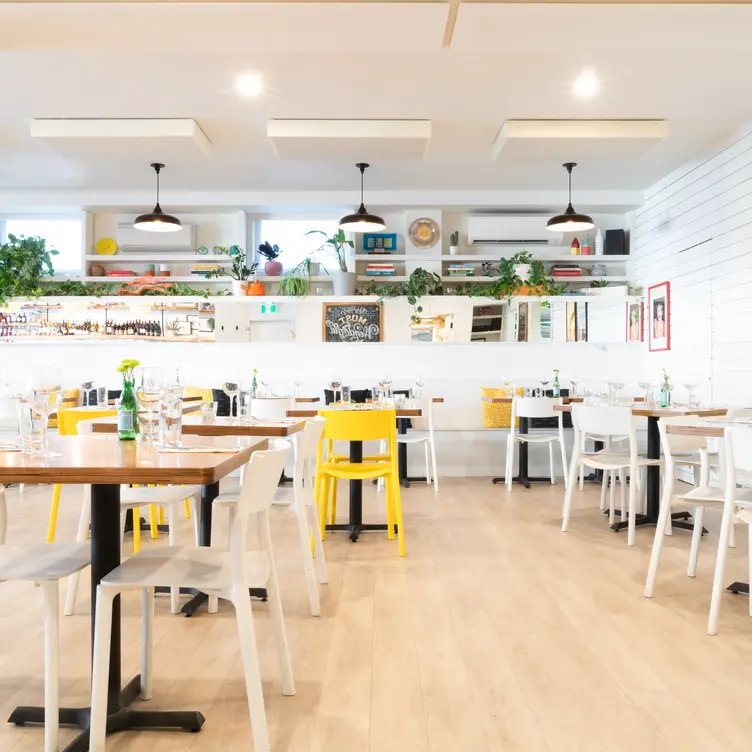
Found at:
(239, 269)
(269, 252)
(297, 282)
(510, 283)
(72, 287)
(337, 245)
(23, 262)
(454, 238)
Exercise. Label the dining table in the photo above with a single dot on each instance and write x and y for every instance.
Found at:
(680, 520)
(238, 427)
(105, 463)
(355, 525)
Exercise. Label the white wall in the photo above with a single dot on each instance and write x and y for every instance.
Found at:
(695, 230)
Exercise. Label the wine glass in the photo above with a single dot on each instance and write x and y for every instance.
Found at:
(385, 385)
(231, 387)
(543, 384)
(149, 392)
(420, 382)
(645, 385)
(574, 380)
(691, 388)
(298, 383)
(175, 385)
(335, 384)
(617, 385)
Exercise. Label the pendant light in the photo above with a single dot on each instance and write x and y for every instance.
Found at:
(362, 221)
(157, 220)
(570, 221)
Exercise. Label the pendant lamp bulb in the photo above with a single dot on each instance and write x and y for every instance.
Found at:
(362, 220)
(157, 220)
(570, 221)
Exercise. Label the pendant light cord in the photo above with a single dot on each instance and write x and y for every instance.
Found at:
(569, 166)
(157, 166)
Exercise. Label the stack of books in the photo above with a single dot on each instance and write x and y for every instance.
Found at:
(566, 270)
(380, 270)
(201, 270)
(120, 273)
(461, 270)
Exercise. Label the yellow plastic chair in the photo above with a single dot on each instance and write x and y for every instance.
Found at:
(70, 400)
(361, 425)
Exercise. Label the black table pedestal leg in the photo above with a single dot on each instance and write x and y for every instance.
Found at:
(522, 460)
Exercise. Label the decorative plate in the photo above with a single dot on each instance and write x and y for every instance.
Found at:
(107, 247)
(424, 233)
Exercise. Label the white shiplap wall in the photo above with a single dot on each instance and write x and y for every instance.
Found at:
(695, 230)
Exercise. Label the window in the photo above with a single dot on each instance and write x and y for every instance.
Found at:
(64, 234)
(290, 236)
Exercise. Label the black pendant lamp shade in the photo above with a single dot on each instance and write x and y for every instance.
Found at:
(362, 220)
(570, 221)
(157, 220)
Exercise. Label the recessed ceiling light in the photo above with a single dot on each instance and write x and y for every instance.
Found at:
(586, 84)
(249, 85)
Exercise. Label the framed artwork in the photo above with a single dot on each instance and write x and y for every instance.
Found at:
(635, 322)
(522, 322)
(659, 313)
(571, 321)
(582, 323)
(379, 242)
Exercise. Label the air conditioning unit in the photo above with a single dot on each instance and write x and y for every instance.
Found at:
(130, 239)
(510, 230)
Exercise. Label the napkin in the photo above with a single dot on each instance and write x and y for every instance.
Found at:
(200, 450)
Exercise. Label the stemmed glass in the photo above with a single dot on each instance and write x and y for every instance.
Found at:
(617, 385)
(298, 383)
(385, 385)
(645, 385)
(420, 382)
(691, 389)
(149, 392)
(543, 384)
(507, 382)
(231, 387)
(335, 384)
(574, 380)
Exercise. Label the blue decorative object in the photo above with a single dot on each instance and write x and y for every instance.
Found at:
(380, 242)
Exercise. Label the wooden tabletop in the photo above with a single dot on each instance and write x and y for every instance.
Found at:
(222, 427)
(711, 429)
(508, 400)
(106, 460)
(405, 412)
(663, 412)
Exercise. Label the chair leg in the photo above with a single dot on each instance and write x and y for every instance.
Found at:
(389, 510)
(569, 492)
(3, 517)
(582, 478)
(604, 487)
(510, 462)
(53, 513)
(694, 549)
(428, 469)
(632, 519)
(611, 495)
(664, 513)
(551, 462)
(187, 508)
(136, 530)
(196, 517)
(719, 584)
(397, 502)
(147, 643)
(564, 472)
(749, 562)
(433, 466)
(318, 546)
(304, 534)
(154, 521)
(172, 540)
(335, 488)
(623, 491)
(101, 669)
(323, 504)
(278, 627)
(83, 530)
(251, 669)
(51, 665)
(732, 536)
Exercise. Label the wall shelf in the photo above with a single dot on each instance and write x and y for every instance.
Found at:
(150, 258)
(194, 278)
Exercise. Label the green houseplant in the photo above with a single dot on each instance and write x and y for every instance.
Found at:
(454, 243)
(272, 267)
(343, 281)
(239, 271)
(23, 263)
(297, 282)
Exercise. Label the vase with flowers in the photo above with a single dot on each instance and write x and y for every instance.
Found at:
(126, 416)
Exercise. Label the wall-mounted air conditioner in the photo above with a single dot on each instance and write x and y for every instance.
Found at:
(130, 239)
(510, 230)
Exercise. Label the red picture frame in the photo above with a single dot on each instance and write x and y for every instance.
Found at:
(659, 317)
(639, 335)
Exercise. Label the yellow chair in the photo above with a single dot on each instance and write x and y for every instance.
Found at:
(361, 425)
(70, 399)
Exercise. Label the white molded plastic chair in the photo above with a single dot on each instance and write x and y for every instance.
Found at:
(606, 421)
(223, 574)
(44, 564)
(135, 498)
(426, 406)
(536, 407)
(305, 446)
(269, 408)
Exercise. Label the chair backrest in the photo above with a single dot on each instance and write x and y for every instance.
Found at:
(69, 420)
(604, 420)
(737, 413)
(359, 425)
(673, 444)
(265, 408)
(306, 449)
(535, 407)
(256, 496)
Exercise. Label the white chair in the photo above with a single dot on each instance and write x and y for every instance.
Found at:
(606, 421)
(269, 408)
(302, 503)
(44, 564)
(223, 574)
(426, 406)
(168, 497)
(536, 407)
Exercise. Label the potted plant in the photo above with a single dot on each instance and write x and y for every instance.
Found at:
(272, 267)
(239, 271)
(522, 275)
(454, 243)
(343, 281)
(23, 262)
(173, 328)
(297, 282)
(604, 289)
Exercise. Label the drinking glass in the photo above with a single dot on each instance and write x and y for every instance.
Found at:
(298, 383)
(150, 391)
(574, 380)
(231, 387)
(544, 383)
(691, 388)
(172, 422)
(209, 410)
(86, 388)
(385, 385)
(420, 382)
(617, 385)
(335, 384)
(33, 430)
(645, 385)
(346, 400)
(244, 404)
(43, 395)
(399, 400)
(102, 396)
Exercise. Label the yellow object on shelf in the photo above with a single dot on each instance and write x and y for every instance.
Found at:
(106, 247)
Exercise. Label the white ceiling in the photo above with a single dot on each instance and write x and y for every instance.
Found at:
(688, 64)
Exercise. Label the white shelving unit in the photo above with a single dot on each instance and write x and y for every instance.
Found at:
(193, 278)
(156, 257)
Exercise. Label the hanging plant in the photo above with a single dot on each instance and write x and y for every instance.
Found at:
(23, 263)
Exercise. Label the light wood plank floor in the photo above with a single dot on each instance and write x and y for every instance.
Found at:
(497, 633)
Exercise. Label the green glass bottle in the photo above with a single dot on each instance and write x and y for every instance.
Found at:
(254, 383)
(126, 417)
(557, 387)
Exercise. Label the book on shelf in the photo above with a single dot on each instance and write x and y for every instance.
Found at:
(372, 273)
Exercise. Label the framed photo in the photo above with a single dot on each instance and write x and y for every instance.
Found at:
(659, 313)
(571, 321)
(635, 322)
(522, 322)
(582, 323)
(380, 242)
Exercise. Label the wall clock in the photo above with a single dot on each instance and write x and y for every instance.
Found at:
(424, 233)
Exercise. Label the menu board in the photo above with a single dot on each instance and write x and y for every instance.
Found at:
(353, 322)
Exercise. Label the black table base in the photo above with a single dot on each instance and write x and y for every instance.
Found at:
(739, 588)
(522, 476)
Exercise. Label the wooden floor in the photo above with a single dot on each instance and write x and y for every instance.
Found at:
(497, 633)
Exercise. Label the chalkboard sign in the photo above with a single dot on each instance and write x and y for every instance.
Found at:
(353, 322)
